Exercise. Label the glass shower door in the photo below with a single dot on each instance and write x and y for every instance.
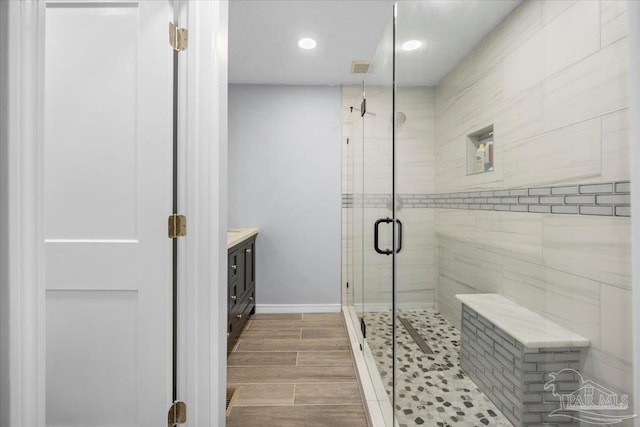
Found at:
(355, 292)
(379, 228)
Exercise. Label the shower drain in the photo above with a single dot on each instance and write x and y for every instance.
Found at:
(416, 336)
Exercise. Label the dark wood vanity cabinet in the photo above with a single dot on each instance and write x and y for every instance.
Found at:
(241, 288)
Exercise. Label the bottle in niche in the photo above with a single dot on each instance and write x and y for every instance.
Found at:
(488, 160)
(480, 159)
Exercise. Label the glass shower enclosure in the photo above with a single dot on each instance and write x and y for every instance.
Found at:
(373, 233)
(454, 175)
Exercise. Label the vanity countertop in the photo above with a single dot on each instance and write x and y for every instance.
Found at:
(238, 235)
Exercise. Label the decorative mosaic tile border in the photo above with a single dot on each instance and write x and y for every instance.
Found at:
(379, 200)
(603, 199)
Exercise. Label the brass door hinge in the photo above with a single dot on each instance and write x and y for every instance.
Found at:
(177, 413)
(178, 37)
(177, 226)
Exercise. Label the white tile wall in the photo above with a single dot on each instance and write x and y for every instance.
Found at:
(520, 117)
(588, 246)
(470, 108)
(615, 312)
(589, 88)
(477, 266)
(544, 159)
(521, 24)
(616, 158)
(552, 78)
(415, 140)
(518, 235)
(614, 21)
(448, 305)
(525, 66)
(512, 233)
(609, 370)
(552, 9)
(571, 301)
(572, 36)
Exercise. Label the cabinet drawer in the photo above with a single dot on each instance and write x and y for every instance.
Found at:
(248, 300)
(238, 318)
(246, 307)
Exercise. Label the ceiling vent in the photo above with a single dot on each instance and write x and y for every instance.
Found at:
(359, 67)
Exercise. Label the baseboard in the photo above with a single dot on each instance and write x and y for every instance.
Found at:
(298, 308)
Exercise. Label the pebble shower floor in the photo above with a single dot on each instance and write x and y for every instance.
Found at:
(431, 389)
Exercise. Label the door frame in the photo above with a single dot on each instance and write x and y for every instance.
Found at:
(202, 356)
(202, 359)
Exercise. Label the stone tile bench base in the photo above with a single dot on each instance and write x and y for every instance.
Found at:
(513, 376)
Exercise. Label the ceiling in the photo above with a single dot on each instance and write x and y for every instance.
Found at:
(263, 37)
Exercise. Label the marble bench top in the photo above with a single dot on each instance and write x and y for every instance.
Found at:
(238, 235)
(527, 327)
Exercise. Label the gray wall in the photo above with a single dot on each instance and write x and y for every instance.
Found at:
(284, 178)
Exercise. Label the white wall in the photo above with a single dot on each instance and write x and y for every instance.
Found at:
(284, 178)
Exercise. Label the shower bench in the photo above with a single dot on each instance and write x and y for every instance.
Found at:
(509, 352)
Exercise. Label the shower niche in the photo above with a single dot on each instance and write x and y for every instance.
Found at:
(480, 151)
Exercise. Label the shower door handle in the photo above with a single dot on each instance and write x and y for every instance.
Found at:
(376, 234)
(399, 236)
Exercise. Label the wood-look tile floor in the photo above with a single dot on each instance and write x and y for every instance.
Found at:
(294, 370)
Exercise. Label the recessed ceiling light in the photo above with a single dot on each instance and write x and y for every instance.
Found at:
(307, 43)
(411, 45)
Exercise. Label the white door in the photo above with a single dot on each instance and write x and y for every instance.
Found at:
(108, 177)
